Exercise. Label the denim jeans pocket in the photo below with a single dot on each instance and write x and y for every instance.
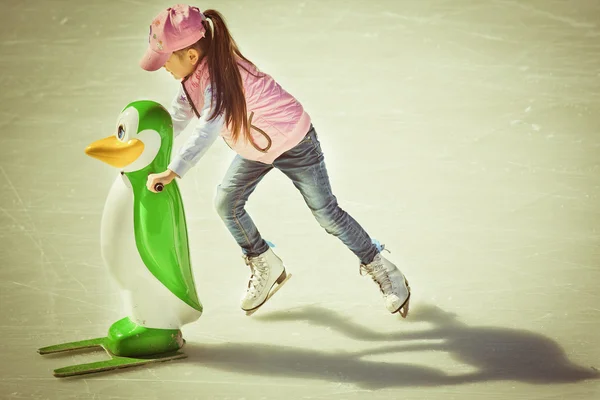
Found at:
(306, 139)
(312, 135)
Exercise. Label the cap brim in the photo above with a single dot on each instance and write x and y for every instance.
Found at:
(153, 61)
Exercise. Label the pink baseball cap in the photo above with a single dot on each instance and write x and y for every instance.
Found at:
(173, 29)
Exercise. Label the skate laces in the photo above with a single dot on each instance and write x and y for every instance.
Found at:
(378, 273)
(260, 271)
(380, 276)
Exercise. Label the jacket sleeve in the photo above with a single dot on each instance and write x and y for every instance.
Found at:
(204, 135)
(181, 112)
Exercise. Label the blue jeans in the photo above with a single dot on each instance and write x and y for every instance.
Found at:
(304, 164)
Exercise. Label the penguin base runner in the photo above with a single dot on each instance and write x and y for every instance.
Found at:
(128, 345)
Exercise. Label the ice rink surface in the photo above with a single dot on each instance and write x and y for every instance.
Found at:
(464, 135)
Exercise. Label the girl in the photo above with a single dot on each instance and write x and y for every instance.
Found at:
(268, 128)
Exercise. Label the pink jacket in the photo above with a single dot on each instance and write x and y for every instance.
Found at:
(278, 121)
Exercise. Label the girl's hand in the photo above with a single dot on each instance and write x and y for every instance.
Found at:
(164, 177)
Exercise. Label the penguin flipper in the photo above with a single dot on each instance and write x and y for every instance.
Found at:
(162, 240)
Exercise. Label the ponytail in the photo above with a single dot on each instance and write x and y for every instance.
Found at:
(222, 55)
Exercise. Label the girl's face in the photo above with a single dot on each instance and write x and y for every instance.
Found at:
(181, 65)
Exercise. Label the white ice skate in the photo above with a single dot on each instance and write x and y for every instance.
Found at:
(268, 275)
(392, 283)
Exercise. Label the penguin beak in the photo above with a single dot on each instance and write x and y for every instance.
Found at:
(115, 152)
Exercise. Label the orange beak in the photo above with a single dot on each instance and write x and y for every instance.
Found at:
(115, 152)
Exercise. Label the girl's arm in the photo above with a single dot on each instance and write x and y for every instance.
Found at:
(181, 112)
(204, 135)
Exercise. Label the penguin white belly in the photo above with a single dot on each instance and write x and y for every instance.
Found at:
(148, 302)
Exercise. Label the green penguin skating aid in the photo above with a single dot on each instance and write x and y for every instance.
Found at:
(144, 244)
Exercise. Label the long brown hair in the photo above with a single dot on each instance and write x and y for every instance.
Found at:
(222, 57)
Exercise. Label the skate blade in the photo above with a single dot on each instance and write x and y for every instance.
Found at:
(403, 310)
(271, 293)
(115, 362)
(91, 344)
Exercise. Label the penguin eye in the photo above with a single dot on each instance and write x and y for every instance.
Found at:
(121, 132)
